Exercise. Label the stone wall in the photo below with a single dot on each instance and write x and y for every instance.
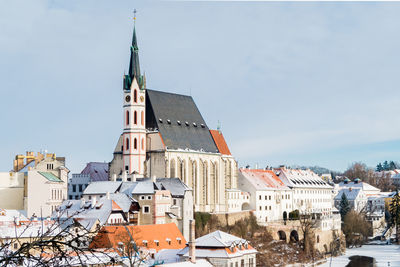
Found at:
(232, 217)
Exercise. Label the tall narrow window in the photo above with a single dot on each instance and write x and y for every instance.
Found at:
(142, 118)
(135, 96)
(127, 117)
(135, 143)
(142, 143)
(127, 143)
(135, 117)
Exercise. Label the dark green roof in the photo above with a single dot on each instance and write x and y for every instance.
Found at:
(50, 177)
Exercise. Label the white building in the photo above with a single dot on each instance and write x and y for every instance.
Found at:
(222, 249)
(270, 198)
(358, 184)
(310, 192)
(94, 171)
(37, 184)
(162, 200)
(356, 197)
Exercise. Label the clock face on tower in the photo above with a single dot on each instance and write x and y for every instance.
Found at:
(127, 98)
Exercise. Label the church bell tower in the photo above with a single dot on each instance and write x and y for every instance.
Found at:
(134, 116)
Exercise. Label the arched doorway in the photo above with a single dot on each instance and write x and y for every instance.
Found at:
(282, 235)
(245, 206)
(294, 236)
(285, 215)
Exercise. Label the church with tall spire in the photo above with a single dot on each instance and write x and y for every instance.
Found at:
(164, 135)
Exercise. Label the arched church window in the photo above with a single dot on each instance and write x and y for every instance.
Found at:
(135, 143)
(135, 117)
(135, 96)
(127, 117)
(142, 117)
(127, 144)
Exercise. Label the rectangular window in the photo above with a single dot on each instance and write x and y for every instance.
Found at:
(146, 209)
(74, 188)
(259, 197)
(80, 188)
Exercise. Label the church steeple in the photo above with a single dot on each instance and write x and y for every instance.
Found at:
(134, 66)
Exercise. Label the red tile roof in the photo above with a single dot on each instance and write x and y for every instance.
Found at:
(219, 141)
(263, 178)
(167, 235)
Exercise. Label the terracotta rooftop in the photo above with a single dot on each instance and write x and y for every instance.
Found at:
(154, 236)
(263, 179)
(220, 142)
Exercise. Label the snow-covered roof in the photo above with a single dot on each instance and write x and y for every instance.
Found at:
(25, 229)
(102, 187)
(218, 239)
(301, 178)
(87, 214)
(199, 263)
(350, 193)
(360, 185)
(11, 215)
(263, 179)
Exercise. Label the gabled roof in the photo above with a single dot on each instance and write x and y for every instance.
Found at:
(263, 179)
(301, 178)
(174, 185)
(167, 235)
(351, 194)
(98, 171)
(179, 122)
(361, 185)
(220, 142)
(102, 187)
(217, 239)
(50, 177)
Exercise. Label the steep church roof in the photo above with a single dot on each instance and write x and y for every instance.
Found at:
(179, 121)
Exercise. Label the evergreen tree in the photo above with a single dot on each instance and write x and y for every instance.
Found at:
(344, 206)
(385, 165)
(379, 167)
(394, 210)
(392, 165)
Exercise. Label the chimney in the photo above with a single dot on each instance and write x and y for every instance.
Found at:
(192, 241)
(82, 202)
(108, 195)
(124, 176)
(93, 201)
(153, 178)
(114, 177)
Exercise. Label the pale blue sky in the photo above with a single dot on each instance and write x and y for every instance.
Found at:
(292, 83)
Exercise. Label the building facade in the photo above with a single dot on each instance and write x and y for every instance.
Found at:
(37, 184)
(164, 135)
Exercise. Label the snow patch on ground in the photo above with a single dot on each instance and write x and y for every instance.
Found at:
(385, 255)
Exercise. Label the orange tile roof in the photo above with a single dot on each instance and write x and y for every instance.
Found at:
(168, 236)
(219, 141)
(115, 206)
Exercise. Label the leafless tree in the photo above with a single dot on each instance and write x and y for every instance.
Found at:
(51, 243)
(308, 223)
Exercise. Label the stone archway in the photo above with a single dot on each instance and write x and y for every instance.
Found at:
(246, 206)
(294, 236)
(282, 235)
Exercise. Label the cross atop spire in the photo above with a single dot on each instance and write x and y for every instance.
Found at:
(134, 66)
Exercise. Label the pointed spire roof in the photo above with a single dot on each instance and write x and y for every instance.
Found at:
(134, 66)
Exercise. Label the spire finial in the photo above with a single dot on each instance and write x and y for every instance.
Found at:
(134, 15)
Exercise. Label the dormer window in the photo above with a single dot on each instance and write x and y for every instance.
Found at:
(179, 240)
(168, 241)
(160, 120)
(157, 243)
(144, 243)
(187, 123)
(194, 124)
(169, 121)
(179, 122)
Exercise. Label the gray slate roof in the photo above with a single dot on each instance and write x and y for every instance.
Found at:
(174, 107)
(98, 171)
(174, 185)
